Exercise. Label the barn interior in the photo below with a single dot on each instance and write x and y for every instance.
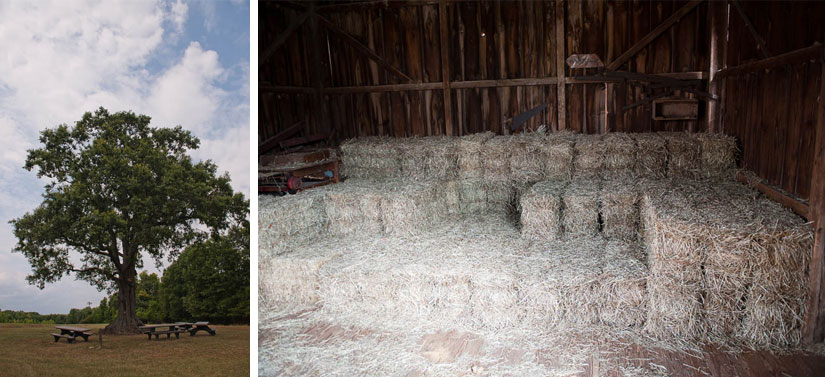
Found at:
(548, 188)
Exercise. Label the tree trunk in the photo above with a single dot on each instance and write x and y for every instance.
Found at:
(126, 321)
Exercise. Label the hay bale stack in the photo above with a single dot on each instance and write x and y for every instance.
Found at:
(541, 211)
(468, 154)
(371, 157)
(496, 158)
(589, 156)
(413, 156)
(409, 207)
(289, 282)
(290, 218)
(623, 286)
(559, 151)
(718, 154)
(620, 209)
(353, 207)
(527, 159)
(441, 157)
(472, 197)
(619, 155)
(675, 258)
(684, 155)
(651, 161)
(580, 208)
(500, 196)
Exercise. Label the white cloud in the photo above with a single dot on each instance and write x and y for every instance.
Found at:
(60, 59)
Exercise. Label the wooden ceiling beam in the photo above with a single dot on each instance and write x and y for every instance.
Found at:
(812, 53)
(763, 49)
(270, 50)
(346, 37)
(666, 24)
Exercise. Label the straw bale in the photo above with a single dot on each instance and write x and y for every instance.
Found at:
(651, 154)
(541, 211)
(373, 157)
(623, 286)
(353, 206)
(684, 158)
(408, 207)
(619, 155)
(452, 196)
(718, 154)
(442, 158)
(496, 158)
(589, 156)
(580, 208)
(528, 158)
(620, 209)
(468, 154)
(413, 157)
(472, 196)
(559, 151)
(290, 218)
(500, 196)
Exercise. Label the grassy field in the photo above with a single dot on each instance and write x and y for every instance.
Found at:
(29, 350)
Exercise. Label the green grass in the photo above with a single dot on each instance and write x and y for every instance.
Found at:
(29, 350)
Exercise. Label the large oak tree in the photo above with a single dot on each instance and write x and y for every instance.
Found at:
(117, 190)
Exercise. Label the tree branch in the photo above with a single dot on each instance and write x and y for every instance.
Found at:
(95, 269)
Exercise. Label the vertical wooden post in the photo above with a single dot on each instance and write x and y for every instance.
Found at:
(561, 92)
(445, 68)
(813, 330)
(317, 73)
(718, 14)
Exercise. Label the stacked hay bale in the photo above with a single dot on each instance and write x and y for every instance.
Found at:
(619, 155)
(623, 286)
(409, 207)
(468, 154)
(441, 158)
(354, 207)
(290, 219)
(684, 155)
(718, 154)
(527, 158)
(496, 158)
(371, 157)
(580, 208)
(559, 151)
(589, 156)
(651, 154)
(541, 211)
(620, 209)
(675, 258)
(413, 155)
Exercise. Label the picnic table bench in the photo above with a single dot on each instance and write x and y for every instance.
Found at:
(198, 326)
(173, 328)
(71, 333)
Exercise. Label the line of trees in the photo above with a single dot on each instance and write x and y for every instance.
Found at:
(209, 281)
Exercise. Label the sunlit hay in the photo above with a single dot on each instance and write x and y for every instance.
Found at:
(528, 159)
(558, 151)
(580, 208)
(683, 155)
(620, 209)
(541, 211)
(718, 154)
(651, 161)
(468, 154)
(413, 157)
(442, 157)
(623, 286)
(290, 218)
(619, 155)
(588, 161)
(409, 207)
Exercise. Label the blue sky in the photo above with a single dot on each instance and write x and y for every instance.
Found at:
(181, 62)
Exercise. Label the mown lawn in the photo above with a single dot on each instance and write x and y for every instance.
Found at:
(29, 350)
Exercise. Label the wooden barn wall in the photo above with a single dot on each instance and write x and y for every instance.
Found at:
(487, 40)
(773, 114)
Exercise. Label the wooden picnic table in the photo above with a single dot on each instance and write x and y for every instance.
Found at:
(71, 333)
(194, 327)
(173, 328)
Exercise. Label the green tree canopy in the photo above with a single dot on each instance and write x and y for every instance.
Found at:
(209, 281)
(119, 189)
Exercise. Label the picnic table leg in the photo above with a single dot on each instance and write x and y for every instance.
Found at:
(149, 335)
(157, 336)
(56, 338)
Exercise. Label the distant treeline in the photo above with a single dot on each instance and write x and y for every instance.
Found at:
(208, 282)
